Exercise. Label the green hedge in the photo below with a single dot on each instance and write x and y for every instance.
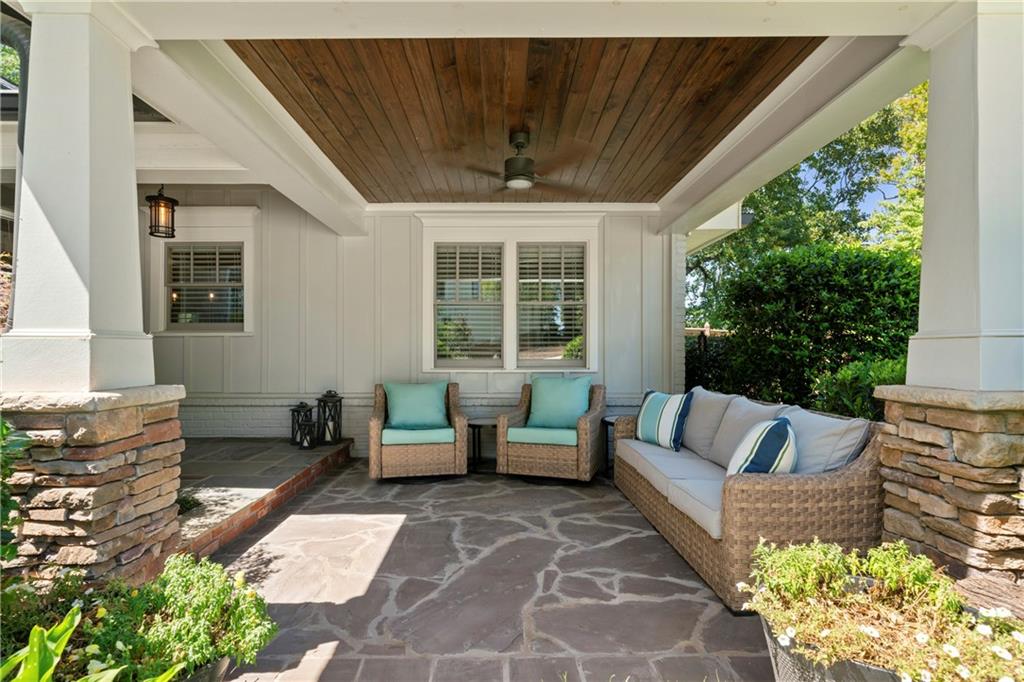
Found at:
(849, 389)
(801, 314)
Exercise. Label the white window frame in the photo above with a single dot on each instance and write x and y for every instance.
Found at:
(510, 230)
(203, 224)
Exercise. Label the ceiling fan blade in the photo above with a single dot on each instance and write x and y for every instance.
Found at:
(557, 188)
(567, 154)
(472, 168)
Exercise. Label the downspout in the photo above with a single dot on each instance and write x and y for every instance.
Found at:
(18, 34)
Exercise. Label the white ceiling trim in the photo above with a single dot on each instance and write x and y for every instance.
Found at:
(253, 19)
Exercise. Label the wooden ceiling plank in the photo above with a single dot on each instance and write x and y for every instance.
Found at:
(492, 68)
(428, 138)
(637, 55)
(442, 55)
(393, 105)
(333, 90)
(290, 70)
(545, 144)
(516, 80)
(417, 53)
(639, 98)
(356, 72)
(468, 67)
(587, 63)
(689, 86)
(730, 91)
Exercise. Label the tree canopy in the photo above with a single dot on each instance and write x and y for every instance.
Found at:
(825, 198)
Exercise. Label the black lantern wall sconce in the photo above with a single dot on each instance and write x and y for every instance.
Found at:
(161, 214)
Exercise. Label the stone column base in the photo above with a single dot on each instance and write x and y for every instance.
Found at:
(98, 489)
(953, 477)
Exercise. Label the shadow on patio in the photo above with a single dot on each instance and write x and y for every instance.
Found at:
(482, 578)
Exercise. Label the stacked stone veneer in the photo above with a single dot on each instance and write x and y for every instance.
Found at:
(952, 473)
(98, 488)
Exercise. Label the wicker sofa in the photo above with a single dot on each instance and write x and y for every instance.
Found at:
(842, 505)
(417, 459)
(580, 461)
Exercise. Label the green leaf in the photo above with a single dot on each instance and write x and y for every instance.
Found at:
(103, 675)
(39, 662)
(168, 675)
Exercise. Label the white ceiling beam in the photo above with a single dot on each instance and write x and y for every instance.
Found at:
(223, 19)
(837, 87)
(191, 85)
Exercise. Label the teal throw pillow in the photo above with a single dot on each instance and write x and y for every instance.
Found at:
(557, 402)
(416, 406)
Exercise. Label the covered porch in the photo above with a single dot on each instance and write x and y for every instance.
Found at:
(343, 171)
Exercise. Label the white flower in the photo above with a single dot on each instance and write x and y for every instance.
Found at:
(78, 603)
(745, 606)
(1005, 678)
(983, 629)
(951, 650)
(925, 675)
(92, 649)
(932, 663)
(998, 612)
(921, 637)
(742, 586)
(119, 645)
(1018, 635)
(825, 632)
(870, 631)
(96, 666)
(1001, 653)
(791, 632)
(783, 640)
(906, 678)
(963, 672)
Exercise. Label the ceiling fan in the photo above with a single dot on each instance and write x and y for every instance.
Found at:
(522, 172)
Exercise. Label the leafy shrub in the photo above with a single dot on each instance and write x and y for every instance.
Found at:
(707, 361)
(453, 336)
(193, 613)
(12, 447)
(187, 502)
(907, 617)
(849, 390)
(799, 314)
(574, 349)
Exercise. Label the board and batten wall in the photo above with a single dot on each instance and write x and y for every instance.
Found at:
(346, 313)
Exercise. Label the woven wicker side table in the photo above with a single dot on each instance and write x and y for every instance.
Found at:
(609, 424)
(476, 427)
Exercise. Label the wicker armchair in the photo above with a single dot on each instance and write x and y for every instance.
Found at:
(578, 462)
(431, 459)
(842, 506)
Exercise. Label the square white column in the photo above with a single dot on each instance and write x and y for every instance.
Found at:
(971, 330)
(77, 314)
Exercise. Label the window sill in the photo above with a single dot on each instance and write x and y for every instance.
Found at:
(187, 333)
(513, 370)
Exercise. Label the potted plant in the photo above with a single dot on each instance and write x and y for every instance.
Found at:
(886, 615)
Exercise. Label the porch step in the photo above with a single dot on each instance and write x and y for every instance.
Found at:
(237, 482)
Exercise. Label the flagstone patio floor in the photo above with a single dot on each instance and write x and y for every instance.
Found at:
(482, 578)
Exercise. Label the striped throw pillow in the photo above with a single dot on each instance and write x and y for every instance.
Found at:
(768, 448)
(662, 419)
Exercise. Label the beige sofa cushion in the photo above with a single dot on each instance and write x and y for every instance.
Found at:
(660, 465)
(701, 500)
(825, 443)
(740, 416)
(706, 412)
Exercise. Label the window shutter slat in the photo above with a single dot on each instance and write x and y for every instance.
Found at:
(468, 312)
(552, 304)
(205, 286)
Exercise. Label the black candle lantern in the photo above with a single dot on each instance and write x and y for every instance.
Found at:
(307, 434)
(328, 412)
(301, 411)
(161, 214)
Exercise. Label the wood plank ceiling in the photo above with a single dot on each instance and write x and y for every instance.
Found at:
(624, 118)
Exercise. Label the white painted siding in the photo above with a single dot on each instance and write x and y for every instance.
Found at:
(345, 313)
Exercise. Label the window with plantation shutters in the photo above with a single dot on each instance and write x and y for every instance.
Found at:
(552, 305)
(468, 305)
(205, 287)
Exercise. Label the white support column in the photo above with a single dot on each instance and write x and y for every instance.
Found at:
(971, 330)
(77, 317)
(678, 308)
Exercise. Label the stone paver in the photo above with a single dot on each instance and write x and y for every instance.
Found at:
(482, 578)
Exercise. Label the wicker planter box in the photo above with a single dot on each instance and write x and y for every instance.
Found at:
(790, 666)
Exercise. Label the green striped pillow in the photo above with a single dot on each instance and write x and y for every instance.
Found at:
(662, 419)
(768, 448)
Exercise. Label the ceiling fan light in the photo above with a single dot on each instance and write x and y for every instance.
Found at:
(519, 183)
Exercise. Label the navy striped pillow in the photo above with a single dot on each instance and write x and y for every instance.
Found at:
(662, 419)
(768, 448)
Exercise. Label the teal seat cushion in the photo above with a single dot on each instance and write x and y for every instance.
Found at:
(557, 402)
(539, 436)
(416, 406)
(416, 436)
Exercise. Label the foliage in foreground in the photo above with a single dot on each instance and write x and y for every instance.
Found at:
(12, 447)
(908, 618)
(193, 613)
(797, 315)
(850, 389)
